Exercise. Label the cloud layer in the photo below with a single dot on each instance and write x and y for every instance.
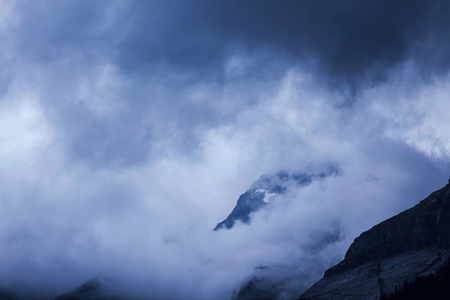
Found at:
(128, 131)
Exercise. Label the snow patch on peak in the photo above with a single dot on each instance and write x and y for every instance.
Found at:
(267, 196)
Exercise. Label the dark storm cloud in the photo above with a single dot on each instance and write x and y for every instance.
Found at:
(129, 129)
(163, 48)
(347, 41)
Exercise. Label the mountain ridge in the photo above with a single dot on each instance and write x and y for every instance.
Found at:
(413, 243)
(266, 188)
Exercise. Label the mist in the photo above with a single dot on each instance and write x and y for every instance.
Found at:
(128, 133)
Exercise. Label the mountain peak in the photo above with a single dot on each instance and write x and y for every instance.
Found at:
(266, 189)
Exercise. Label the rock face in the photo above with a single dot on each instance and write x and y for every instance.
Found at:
(266, 189)
(413, 243)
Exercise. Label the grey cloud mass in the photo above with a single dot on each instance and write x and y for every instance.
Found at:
(345, 41)
(128, 130)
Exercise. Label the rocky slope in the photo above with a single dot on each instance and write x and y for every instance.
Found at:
(266, 189)
(414, 243)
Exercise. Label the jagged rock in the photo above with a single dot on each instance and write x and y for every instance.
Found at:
(413, 243)
(266, 188)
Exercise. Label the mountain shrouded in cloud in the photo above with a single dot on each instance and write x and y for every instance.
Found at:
(129, 129)
(264, 190)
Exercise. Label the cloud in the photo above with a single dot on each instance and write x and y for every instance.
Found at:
(348, 43)
(128, 131)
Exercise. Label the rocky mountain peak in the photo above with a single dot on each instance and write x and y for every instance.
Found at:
(413, 243)
(266, 189)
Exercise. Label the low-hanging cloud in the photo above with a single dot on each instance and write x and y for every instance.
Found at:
(113, 164)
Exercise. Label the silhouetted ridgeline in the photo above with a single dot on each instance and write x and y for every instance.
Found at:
(410, 245)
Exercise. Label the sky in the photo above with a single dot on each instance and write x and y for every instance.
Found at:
(128, 130)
